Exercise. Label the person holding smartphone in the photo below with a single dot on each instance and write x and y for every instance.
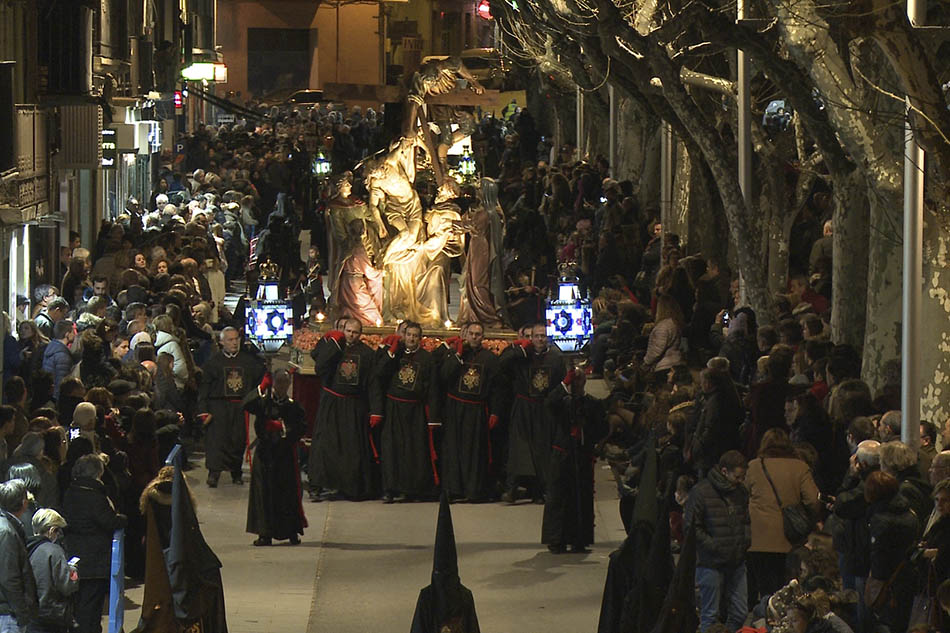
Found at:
(56, 578)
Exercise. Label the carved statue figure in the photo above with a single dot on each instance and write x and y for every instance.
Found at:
(350, 223)
(481, 282)
(394, 263)
(358, 284)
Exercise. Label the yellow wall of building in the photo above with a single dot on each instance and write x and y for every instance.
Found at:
(359, 42)
(358, 61)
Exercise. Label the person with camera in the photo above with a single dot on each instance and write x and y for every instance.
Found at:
(56, 578)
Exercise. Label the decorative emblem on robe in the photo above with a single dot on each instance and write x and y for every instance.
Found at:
(348, 373)
(540, 381)
(234, 382)
(471, 380)
(407, 376)
(452, 625)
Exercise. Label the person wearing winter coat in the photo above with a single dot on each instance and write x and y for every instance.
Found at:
(810, 424)
(92, 519)
(30, 464)
(739, 347)
(900, 460)
(720, 416)
(936, 541)
(57, 360)
(56, 579)
(663, 349)
(793, 484)
(718, 508)
(166, 342)
(892, 533)
(848, 523)
(17, 585)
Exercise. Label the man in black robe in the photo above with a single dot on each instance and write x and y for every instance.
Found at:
(446, 605)
(624, 562)
(639, 572)
(579, 423)
(404, 372)
(535, 368)
(273, 506)
(343, 454)
(226, 379)
(469, 415)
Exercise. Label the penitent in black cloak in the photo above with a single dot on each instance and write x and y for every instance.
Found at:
(445, 606)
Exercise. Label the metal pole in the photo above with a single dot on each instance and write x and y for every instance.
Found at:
(913, 266)
(745, 117)
(745, 128)
(666, 178)
(336, 59)
(383, 25)
(580, 123)
(612, 132)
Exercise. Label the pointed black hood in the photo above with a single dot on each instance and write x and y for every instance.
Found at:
(445, 600)
(445, 566)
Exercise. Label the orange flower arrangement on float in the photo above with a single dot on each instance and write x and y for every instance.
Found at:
(306, 339)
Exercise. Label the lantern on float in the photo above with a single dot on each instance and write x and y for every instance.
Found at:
(321, 165)
(466, 167)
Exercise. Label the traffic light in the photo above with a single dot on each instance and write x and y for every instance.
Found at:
(177, 99)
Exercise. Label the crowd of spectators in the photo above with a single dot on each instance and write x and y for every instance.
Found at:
(747, 420)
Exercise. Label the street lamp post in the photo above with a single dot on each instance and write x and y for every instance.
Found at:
(913, 265)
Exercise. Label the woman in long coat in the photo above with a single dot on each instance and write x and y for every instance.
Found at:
(794, 484)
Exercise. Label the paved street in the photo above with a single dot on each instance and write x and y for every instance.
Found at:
(361, 565)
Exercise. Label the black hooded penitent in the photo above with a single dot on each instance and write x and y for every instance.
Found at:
(445, 603)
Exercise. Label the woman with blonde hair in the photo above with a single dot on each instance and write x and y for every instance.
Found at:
(56, 579)
(663, 349)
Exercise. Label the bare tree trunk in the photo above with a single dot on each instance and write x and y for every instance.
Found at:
(850, 261)
(636, 129)
(778, 252)
(681, 196)
(650, 176)
(709, 234)
(882, 338)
